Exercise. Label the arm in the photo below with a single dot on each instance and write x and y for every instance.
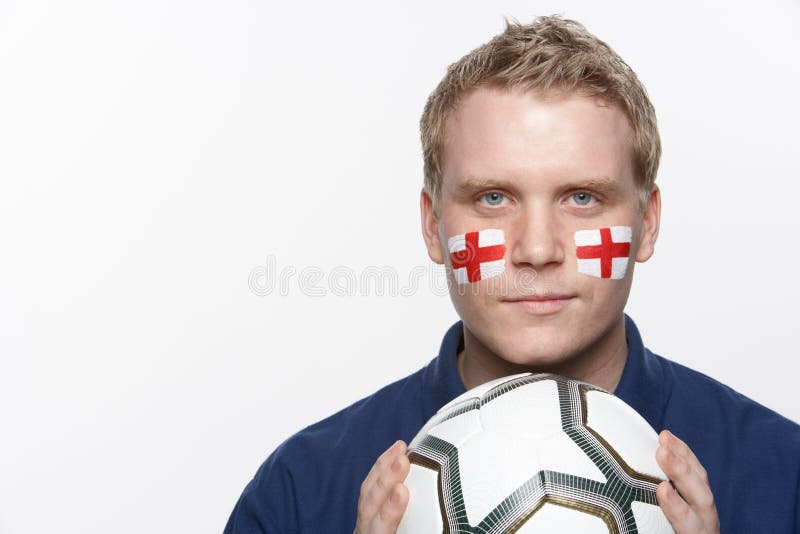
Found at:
(268, 503)
(797, 506)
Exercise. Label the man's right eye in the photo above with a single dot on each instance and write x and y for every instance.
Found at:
(494, 198)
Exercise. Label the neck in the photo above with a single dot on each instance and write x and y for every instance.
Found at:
(600, 364)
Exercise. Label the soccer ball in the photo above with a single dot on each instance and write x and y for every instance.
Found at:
(534, 453)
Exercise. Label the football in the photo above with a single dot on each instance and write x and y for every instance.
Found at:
(534, 453)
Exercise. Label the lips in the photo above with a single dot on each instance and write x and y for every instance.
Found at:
(544, 303)
(539, 297)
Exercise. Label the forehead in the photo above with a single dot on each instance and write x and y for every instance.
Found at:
(529, 139)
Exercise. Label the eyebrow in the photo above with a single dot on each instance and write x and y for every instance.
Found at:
(597, 183)
(472, 184)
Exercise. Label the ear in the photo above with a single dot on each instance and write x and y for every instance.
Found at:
(430, 228)
(650, 224)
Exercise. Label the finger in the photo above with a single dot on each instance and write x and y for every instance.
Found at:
(391, 511)
(682, 449)
(684, 477)
(680, 515)
(390, 468)
(381, 462)
(687, 475)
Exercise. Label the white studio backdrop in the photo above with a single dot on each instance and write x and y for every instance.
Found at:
(164, 165)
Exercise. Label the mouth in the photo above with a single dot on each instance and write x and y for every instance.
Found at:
(541, 303)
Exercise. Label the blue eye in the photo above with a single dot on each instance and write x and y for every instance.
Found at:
(494, 198)
(582, 199)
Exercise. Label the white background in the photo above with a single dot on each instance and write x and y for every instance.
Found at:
(154, 154)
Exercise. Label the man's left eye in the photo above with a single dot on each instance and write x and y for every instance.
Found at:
(494, 198)
(582, 199)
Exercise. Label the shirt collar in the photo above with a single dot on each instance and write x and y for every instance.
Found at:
(641, 386)
(441, 381)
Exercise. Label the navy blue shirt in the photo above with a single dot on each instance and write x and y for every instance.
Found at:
(311, 483)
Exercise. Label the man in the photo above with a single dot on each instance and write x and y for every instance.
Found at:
(541, 152)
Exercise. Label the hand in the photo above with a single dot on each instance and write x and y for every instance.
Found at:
(691, 508)
(383, 497)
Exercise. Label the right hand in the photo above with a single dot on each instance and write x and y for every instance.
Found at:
(383, 497)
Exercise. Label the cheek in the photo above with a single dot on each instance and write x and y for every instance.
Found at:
(605, 295)
(476, 255)
(479, 306)
(604, 252)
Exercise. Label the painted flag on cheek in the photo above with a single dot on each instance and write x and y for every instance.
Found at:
(604, 252)
(476, 256)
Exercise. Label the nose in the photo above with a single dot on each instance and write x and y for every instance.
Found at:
(537, 240)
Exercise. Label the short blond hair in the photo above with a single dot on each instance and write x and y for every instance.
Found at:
(550, 55)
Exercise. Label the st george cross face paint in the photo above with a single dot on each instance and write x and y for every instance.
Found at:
(604, 252)
(476, 256)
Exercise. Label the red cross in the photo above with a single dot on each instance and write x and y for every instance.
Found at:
(606, 250)
(473, 255)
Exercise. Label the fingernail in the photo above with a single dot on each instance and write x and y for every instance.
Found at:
(396, 464)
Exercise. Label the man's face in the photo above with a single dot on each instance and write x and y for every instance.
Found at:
(539, 170)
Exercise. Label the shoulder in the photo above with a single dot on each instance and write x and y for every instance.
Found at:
(387, 408)
(707, 403)
(344, 432)
(330, 457)
(741, 443)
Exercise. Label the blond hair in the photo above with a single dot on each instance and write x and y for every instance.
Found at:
(550, 55)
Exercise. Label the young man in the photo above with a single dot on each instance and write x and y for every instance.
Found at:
(543, 142)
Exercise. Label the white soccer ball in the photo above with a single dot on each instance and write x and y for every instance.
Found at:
(534, 453)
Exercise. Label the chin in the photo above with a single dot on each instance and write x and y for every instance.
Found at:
(541, 356)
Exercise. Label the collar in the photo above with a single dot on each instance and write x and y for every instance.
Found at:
(641, 385)
(441, 382)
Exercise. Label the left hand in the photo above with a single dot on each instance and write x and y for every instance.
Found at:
(691, 508)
